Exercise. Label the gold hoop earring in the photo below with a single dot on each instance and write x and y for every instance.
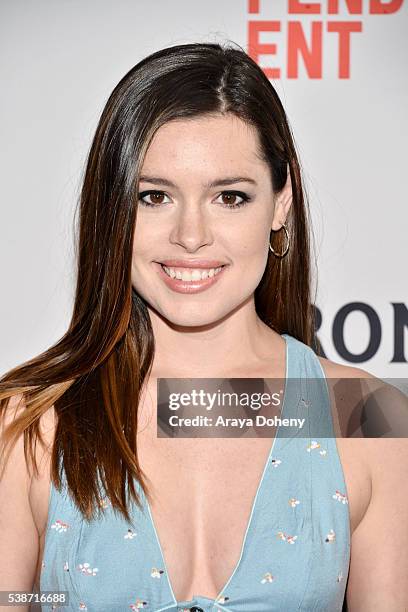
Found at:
(287, 245)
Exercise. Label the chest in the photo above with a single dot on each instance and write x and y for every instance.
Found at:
(202, 496)
(207, 494)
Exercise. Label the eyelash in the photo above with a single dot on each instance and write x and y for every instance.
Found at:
(240, 194)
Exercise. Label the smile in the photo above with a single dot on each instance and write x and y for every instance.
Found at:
(189, 280)
(191, 274)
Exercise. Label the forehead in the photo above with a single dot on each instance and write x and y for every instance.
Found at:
(210, 143)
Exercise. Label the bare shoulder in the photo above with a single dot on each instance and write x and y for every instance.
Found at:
(376, 469)
(347, 387)
(37, 485)
(385, 458)
(18, 556)
(379, 557)
(40, 484)
(339, 370)
(392, 402)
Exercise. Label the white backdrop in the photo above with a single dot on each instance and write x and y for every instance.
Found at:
(59, 61)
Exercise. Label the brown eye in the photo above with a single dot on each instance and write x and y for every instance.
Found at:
(229, 199)
(156, 198)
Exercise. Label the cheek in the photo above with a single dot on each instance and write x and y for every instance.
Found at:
(143, 241)
(251, 248)
(139, 271)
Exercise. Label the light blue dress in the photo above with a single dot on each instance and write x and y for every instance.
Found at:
(296, 549)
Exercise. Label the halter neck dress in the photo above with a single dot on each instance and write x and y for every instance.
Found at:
(296, 549)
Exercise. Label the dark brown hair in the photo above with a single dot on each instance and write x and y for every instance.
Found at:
(93, 376)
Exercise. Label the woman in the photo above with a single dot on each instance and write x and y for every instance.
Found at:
(193, 261)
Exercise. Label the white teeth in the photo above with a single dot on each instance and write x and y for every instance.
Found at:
(196, 275)
(191, 274)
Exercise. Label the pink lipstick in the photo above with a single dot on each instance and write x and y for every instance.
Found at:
(190, 269)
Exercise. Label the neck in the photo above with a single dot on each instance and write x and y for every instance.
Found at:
(238, 342)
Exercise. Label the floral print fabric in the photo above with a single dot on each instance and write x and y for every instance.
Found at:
(296, 550)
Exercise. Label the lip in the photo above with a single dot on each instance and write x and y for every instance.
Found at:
(192, 263)
(180, 286)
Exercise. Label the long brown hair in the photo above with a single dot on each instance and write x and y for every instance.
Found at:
(94, 375)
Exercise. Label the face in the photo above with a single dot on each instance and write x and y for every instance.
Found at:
(206, 208)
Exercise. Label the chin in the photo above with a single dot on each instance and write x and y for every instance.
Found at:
(198, 316)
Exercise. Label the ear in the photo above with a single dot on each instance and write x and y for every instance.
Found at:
(283, 203)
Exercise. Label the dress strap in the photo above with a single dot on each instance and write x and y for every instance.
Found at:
(308, 392)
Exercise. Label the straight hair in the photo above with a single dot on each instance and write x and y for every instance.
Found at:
(94, 375)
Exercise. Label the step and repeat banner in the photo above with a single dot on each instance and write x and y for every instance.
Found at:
(339, 67)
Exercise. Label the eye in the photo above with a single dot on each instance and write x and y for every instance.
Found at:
(231, 196)
(157, 198)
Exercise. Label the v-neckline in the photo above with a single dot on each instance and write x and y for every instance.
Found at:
(188, 602)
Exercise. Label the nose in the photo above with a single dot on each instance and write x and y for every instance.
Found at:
(191, 228)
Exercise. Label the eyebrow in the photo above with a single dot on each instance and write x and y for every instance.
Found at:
(231, 180)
